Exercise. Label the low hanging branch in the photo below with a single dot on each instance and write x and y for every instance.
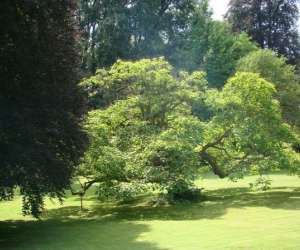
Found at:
(89, 183)
(247, 158)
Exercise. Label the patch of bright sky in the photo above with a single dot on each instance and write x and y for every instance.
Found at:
(219, 8)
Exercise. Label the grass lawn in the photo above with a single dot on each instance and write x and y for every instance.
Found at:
(232, 218)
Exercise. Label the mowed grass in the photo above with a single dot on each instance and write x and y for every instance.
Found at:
(233, 217)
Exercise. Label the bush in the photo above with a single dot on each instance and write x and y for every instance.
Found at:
(261, 184)
(182, 191)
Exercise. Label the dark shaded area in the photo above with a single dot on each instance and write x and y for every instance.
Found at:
(41, 105)
(73, 234)
(272, 24)
(216, 205)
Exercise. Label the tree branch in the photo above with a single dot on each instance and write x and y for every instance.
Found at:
(214, 165)
(217, 141)
(210, 159)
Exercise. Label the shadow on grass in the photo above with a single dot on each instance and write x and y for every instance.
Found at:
(277, 198)
(73, 234)
(215, 206)
(111, 226)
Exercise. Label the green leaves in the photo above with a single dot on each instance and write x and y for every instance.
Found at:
(147, 116)
(247, 107)
(131, 29)
(172, 156)
(276, 70)
(150, 132)
(272, 24)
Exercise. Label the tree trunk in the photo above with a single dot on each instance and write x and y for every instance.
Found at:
(81, 202)
(213, 164)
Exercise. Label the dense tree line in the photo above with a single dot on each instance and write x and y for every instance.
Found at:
(130, 29)
(185, 33)
(182, 31)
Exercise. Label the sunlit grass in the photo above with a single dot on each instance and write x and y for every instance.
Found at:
(233, 217)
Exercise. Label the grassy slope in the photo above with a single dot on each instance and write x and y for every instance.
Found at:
(232, 218)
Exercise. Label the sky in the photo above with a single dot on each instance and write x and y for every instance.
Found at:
(219, 7)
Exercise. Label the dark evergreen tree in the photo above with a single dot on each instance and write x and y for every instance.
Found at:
(271, 23)
(40, 103)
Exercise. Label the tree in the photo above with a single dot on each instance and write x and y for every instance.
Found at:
(147, 98)
(272, 24)
(105, 31)
(192, 48)
(275, 69)
(211, 46)
(147, 132)
(130, 29)
(224, 50)
(41, 104)
(247, 132)
(182, 31)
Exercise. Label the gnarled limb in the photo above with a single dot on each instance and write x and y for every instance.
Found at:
(214, 165)
(210, 159)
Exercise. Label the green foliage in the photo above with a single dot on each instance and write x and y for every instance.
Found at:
(212, 46)
(249, 121)
(262, 183)
(149, 133)
(182, 31)
(276, 70)
(150, 115)
(171, 158)
(224, 50)
(194, 44)
(272, 24)
(131, 29)
(120, 191)
(41, 106)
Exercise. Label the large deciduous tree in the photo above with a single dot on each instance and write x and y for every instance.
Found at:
(40, 102)
(271, 23)
(143, 99)
(275, 69)
(147, 130)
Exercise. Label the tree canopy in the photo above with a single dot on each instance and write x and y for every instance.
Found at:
(148, 133)
(275, 69)
(272, 24)
(130, 29)
(41, 105)
(182, 31)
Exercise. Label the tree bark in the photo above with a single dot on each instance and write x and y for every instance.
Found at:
(216, 168)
